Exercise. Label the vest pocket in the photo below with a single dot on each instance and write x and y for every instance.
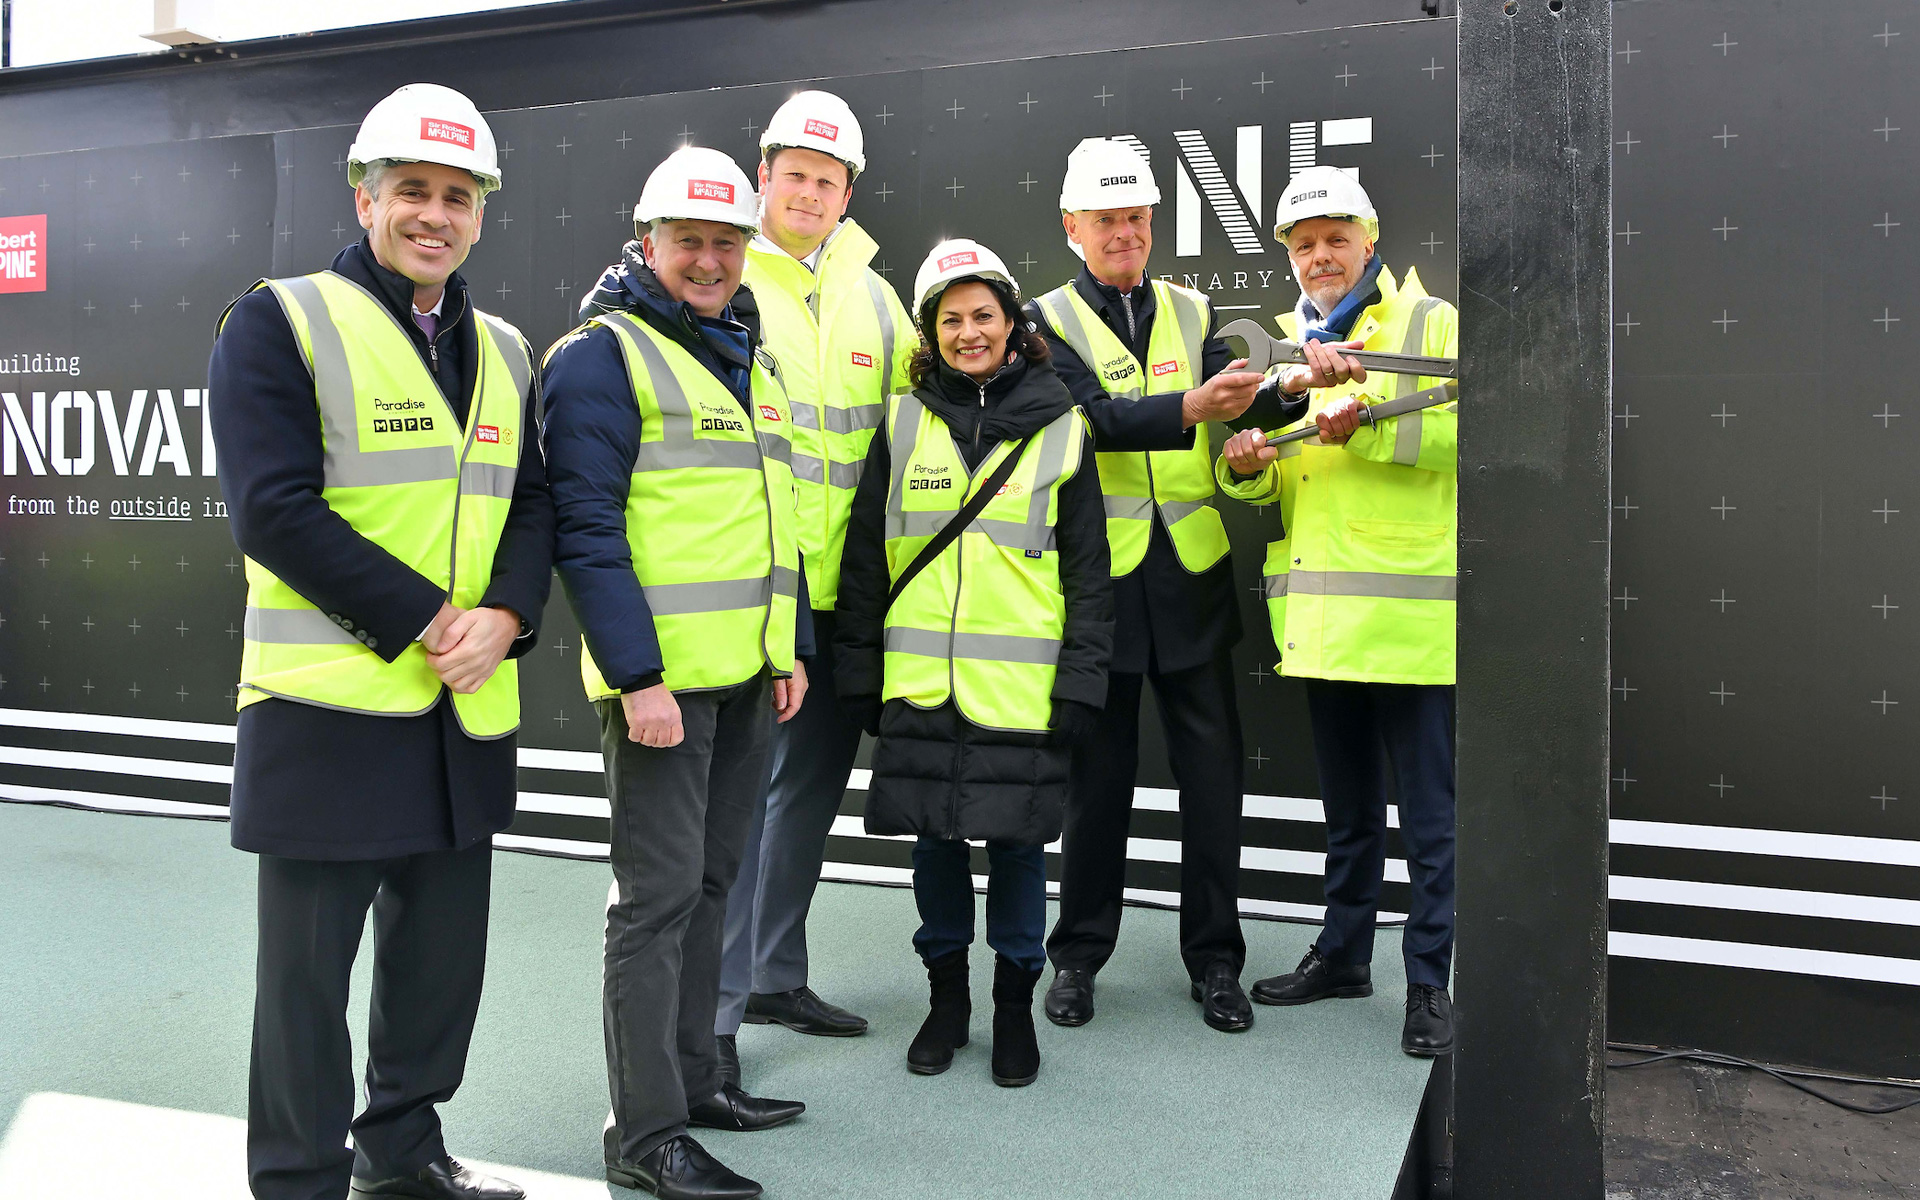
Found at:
(1415, 547)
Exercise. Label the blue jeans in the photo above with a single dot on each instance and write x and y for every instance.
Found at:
(1016, 900)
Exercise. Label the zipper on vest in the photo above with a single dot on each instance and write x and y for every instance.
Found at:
(981, 423)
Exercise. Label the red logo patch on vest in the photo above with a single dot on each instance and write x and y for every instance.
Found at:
(453, 133)
(1165, 368)
(487, 433)
(710, 189)
(769, 412)
(822, 129)
(961, 258)
(862, 360)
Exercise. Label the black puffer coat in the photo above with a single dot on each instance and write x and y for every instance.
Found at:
(934, 772)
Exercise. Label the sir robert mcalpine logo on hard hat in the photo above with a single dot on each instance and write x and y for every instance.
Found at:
(820, 128)
(23, 254)
(710, 189)
(964, 258)
(453, 133)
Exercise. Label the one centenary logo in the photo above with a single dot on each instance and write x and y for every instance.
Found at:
(453, 133)
(769, 412)
(23, 254)
(710, 189)
(821, 129)
(1165, 368)
(488, 433)
(861, 360)
(960, 258)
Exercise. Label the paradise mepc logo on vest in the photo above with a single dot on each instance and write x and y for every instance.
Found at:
(710, 189)
(453, 133)
(23, 254)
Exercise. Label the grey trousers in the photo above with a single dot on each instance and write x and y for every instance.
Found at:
(680, 819)
(766, 942)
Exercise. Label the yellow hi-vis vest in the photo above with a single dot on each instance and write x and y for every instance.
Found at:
(983, 622)
(843, 341)
(1363, 585)
(1176, 483)
(399, 469)
(709, 516)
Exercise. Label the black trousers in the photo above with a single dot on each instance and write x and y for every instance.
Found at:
(1201, 721)
(429, 958)
(1361, 733)
(680, 820)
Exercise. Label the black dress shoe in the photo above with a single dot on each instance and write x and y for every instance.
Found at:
(681, 1169)
(443, 1180)
(727, 1050)
(1070, 998)
(732, 1109)
(1315, 979)
(1222, 1004)
(803, 1012)
(1429, 1029)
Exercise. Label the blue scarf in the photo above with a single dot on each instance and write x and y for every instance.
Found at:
(1335, 326)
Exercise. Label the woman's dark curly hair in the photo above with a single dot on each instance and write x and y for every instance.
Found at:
(1021, 340)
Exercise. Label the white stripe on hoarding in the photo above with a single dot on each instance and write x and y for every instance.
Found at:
(1786, 901)
(1789, 959)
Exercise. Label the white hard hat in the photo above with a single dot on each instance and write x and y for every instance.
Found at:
(1107, 173)
(956, 259)
(817, 121)
(697, 184)
(424, 122)
(1325, 192)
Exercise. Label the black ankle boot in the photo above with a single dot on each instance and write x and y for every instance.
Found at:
(1016, 1052)
(948, 1011)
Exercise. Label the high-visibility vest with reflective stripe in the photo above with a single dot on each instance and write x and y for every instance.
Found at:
(844, 342)
(1363, 586)
(1176, 483)
(401, 470)
(710, 516)
(983, 622)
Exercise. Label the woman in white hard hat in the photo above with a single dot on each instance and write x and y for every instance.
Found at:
(976, 657)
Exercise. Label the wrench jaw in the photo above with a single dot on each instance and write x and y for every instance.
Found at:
(1260, 344)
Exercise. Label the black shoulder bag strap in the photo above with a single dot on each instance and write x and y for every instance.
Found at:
(954, 528)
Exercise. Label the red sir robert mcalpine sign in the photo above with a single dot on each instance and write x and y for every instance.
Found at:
(1165, 368)
(961, 258)
(23, 254)
(710, 189)
(453, 133)
(820, 128)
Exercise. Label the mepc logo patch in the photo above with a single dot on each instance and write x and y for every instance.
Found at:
(861, 360)
(23, 254)
(453, 133)
(821, 129)
(1165, 368)
(960, 258)
(710, 189)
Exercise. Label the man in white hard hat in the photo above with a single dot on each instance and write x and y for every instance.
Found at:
(1361, 591)
(843, 341)
(669, 442)
(1141, 358)
(363, 414)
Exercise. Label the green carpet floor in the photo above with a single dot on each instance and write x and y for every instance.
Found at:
(127, 946)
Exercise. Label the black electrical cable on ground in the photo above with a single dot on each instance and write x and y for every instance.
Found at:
(1785, 1075)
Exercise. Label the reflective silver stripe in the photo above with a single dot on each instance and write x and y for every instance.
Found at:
(809, 469)
(1377, 585)
(986, 647)
(1015, 535)
(1175, 511)
(513, 350)
(878, 291)
(1132, 508)
(786, 582)
(851, 419)
(1066, 322)
(804, 417)
(1290, 450)
(1276, 586)
(903, 438)
(344, 463)
(294, 627)
(657, 456)
(488, 479)
(1193, 326)
(774, 446)
(1406, 437)
(725, 595)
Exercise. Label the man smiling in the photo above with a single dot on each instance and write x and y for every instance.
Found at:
(843, 341)
(364, 415)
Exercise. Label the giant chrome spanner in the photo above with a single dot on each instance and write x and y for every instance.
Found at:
(1264, 350)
